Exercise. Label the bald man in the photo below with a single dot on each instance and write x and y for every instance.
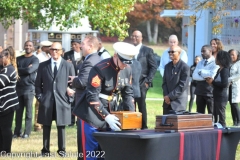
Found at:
(175, 82)
(54, 96)
(149, 68)
(165, 59)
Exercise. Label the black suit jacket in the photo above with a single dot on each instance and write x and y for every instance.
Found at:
(175, 85)
(70, 55)
(149, 66)
(80, 82)
(48, 89)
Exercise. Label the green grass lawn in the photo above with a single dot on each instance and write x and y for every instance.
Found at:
(154, 107)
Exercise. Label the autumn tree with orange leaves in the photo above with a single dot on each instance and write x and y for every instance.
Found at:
(150, 12)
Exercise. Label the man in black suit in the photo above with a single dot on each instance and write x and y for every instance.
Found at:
(175, 82)
(149, 68)
(53, 94)
(89, 49)
(75, 57)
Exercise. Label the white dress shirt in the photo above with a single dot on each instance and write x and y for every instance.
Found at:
(138, 48)
(58, 63)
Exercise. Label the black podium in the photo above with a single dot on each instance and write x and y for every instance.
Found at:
(150, 145)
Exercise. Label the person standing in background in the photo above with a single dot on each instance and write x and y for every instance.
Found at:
(173, 41)
(234, 88)
(8, 98)
(75, 57)
(205, 68)
(220, 87)
(193, 82)
(216, 46)
(149, 68)
(27, 65)
(102, 52)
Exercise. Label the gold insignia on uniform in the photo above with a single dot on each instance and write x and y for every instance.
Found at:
(96, 81)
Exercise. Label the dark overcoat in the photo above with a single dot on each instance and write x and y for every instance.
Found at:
(175, 85)
(80, 82)
(49, 89)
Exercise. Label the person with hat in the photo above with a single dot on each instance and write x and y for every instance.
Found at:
(75, 57)
(45, 54)
(107, 79)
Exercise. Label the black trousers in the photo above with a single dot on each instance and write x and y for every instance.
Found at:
(166, 110)
(72, 116)
(141, 103)
(25, 100)
(192, 96)
(202, 102)
(235, 111)
(46, 138)
(6, 132)
(219, 110)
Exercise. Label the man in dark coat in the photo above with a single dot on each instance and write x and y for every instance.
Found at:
(75, 57)
(175, 82)
(53, 94)
(89, 50)
(106, 79)
(149, 68)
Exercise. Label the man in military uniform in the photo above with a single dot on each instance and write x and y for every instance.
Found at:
(106, 79)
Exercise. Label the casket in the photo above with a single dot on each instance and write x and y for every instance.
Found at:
(189, 122)
(129, 119)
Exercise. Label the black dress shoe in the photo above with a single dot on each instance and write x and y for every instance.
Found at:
(25, 136)
(71, 125)
(16, 136)
(45, 154)
(61, 153)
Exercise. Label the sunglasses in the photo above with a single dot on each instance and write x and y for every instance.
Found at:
(171, 52)
(54, 49)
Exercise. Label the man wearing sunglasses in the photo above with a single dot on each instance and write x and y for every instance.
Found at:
(175, 82)
(107, 79)
(165, 59)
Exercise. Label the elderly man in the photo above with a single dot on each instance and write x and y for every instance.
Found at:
(53, 94)
(175, 82)
(102, 52)
(149, 68)
(106, 79)
(165, 59)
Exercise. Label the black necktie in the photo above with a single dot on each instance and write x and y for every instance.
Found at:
(205, 63)
(55, 69)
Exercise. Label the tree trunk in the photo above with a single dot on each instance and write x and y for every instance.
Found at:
(155, 32)
(149, 33)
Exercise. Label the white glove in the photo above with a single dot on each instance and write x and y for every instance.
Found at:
(112, 120)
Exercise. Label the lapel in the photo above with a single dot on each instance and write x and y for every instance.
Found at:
(49, 68)
(60, 67)
(140, 52)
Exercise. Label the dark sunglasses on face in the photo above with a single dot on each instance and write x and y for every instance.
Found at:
(54, 49)
(171, 52)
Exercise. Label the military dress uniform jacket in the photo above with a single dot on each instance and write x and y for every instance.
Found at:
(105, 78)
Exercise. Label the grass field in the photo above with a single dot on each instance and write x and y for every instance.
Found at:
(30, 148)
